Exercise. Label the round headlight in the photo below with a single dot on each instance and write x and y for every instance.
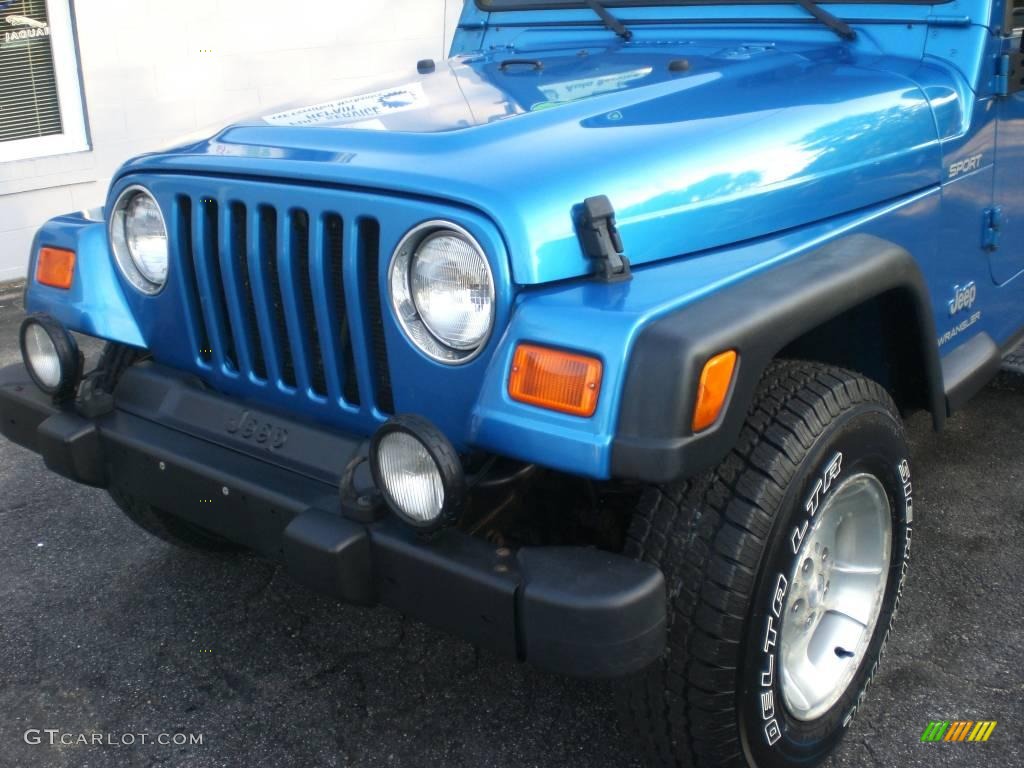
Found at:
(41, 357)
(410, 477)
(138, 236)
(442, 291)
(451, 288)
(51, 356)
(418, 471)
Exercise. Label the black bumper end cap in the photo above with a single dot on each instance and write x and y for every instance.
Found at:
(71, 447)
(331, 555)
(69, 444)
(22, 407)
(590, 613)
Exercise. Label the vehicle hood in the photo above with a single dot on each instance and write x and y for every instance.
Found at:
(697, 145)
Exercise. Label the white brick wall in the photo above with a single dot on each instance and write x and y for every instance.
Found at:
(148, 79)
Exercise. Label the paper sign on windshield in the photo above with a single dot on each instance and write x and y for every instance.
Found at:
(369, 106)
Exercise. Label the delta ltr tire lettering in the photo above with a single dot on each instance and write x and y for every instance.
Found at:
(822, 463)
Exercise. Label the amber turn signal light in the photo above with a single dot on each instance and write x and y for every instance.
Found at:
(55, 267)
(556, 380)
(715, 380)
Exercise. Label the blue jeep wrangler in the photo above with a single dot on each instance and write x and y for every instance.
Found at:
(591, 344)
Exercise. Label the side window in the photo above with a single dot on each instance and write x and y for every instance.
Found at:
(41, 109)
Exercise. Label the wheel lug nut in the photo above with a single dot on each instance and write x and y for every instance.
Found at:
(798, 606)
(824, 555)
(808, 565)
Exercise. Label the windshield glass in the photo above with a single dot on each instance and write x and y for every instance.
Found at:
(524, 5)
(508, 5)
(501, 5)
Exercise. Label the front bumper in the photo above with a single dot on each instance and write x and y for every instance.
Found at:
(271, 484)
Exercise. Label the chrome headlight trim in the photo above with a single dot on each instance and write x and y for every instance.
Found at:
(404, 307)
(126, 260)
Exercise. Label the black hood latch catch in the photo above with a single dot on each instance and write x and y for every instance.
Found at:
(595, 223)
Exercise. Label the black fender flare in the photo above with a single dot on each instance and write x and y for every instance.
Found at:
(758, 317)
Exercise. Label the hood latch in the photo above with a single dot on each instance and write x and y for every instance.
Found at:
(595, 223)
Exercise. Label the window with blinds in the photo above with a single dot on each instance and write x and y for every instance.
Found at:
(30, 105)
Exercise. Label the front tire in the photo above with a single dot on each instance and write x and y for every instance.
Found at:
(771, 645)
(171, 529)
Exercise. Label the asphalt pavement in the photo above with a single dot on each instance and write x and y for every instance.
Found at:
(105, 630)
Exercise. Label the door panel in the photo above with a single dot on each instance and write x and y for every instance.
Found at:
(1008, 258)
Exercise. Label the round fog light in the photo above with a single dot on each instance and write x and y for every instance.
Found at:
(418, 472)
(51, 356)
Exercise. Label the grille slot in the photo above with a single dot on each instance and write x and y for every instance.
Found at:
(369, 258)
(272, 281)
(218, 321)
(201, 337)
(300, 235)
(334, 254)
(240, 257)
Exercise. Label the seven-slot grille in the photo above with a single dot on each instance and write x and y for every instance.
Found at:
(253, 274)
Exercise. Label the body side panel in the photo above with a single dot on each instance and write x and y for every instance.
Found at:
(607, 320)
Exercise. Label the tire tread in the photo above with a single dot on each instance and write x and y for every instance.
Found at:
(707, 535)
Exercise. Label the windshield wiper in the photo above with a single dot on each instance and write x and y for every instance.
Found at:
(838, 26)
(610, 21)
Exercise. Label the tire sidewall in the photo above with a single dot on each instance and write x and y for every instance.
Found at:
(868, 438)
